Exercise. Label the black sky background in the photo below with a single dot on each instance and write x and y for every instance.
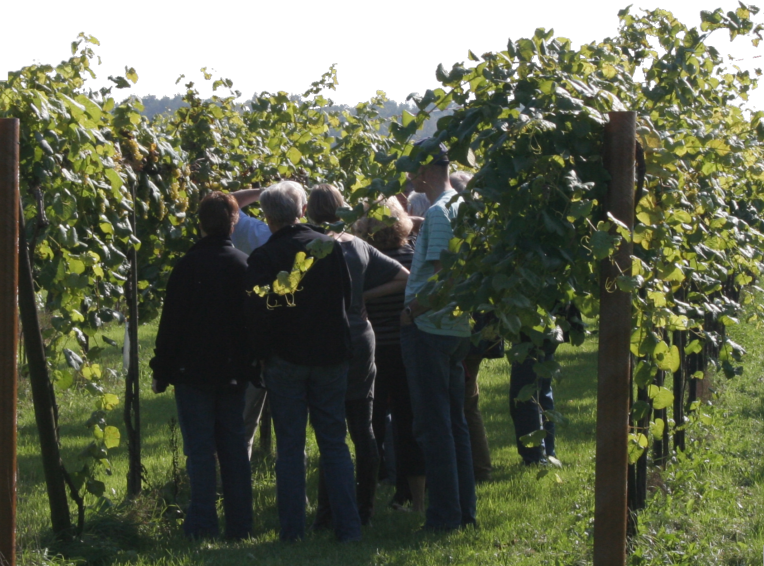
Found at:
(391, 47)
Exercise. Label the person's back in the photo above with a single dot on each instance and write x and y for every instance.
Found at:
(204, 308)
(309, 327)
(201, 349)
(298, 310)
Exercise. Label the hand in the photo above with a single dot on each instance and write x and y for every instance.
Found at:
(406, 318)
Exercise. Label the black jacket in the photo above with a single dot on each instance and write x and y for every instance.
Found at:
(315, 330)
(202, 337)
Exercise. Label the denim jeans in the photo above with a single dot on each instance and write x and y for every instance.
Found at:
(358, 417)
(527, 415)
(293, 392)
(436, 382)
(211, 423)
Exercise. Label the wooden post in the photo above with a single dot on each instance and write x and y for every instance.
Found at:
(132, 381)
(614, 358)
(680, 377)
(43, 396)
(9, 326)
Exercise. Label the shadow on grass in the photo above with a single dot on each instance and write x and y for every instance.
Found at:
(156, 412)
(132, 530)
(140, 532)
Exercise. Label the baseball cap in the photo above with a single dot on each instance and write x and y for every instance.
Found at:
(438, 150)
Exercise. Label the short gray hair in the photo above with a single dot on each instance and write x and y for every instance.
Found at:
(419, 204)
(283, 202)
(459, 180)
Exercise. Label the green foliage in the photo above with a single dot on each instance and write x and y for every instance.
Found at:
(533, 229)
(532, 232)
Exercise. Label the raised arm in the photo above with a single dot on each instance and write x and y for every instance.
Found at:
(245, 197)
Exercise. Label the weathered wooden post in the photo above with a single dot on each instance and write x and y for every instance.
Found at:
(9, 328)
(614, 361)
(132, 413)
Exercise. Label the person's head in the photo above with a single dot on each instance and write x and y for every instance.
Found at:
(459, 180)
(419, 204)
(385, 237)
(218, 214)
(323, 203)
(433, 175)
(283, 204)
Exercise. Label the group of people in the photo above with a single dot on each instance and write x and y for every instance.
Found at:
(309, 320)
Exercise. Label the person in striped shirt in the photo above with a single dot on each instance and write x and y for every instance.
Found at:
(434, 346)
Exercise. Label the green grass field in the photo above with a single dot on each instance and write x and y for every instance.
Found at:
(706, 508)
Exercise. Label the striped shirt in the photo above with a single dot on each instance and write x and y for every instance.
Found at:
(385, 312)
(434, 236)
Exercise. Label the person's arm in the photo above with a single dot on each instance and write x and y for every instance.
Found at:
(245, 197)
(440, 232)
(170, 332)
(414, 306)
(395, 285)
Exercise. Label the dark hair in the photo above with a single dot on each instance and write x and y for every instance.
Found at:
(323, 202)
(218, 214)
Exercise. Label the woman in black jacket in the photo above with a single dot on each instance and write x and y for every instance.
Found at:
(201, 349)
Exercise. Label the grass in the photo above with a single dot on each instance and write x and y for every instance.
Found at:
(704, 509)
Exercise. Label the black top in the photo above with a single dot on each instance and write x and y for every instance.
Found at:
(202, 336)
(314, 330)
(368, 268)
(385, 312)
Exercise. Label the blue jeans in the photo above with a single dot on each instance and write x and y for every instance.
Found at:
(293, 391)
(436, 382)
(211, 423)
(527, 416)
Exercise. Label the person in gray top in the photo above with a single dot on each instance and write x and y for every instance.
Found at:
(372, 275)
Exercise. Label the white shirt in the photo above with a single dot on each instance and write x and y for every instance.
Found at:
(249, 233)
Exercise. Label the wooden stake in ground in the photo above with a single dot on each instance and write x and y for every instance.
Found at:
(614, 360)
(9, 324)
(132, 381)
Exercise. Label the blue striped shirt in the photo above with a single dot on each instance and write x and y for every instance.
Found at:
(434, 236)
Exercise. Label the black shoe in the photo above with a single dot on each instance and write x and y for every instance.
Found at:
(323, 520)
(483, 477)
(318, 526)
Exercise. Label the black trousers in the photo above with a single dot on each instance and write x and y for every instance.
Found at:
(409, 460)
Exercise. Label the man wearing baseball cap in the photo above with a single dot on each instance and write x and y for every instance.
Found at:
(433, 347)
